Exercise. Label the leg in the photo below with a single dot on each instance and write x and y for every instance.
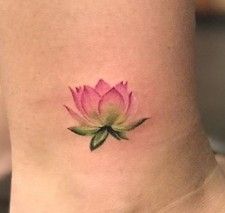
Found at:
(49, 45)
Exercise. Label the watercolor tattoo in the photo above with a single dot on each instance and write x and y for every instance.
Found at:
(103, 111)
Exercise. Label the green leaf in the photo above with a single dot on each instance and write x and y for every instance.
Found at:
(84, 130)
(136, 124)
(122, 135)
(114, 134)
(129, 127)
(99, 139)
(117, 134)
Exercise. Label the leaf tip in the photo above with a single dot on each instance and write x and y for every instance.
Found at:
(92, 148)
(70, 128)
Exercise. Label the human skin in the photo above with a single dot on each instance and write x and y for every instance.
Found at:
(166, 166)
(5, 155)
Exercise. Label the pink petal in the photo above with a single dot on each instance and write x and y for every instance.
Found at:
(130, 111)
(77, 98)
(112, 101)
(133, 105)
(122, 88)
(90, 100)
(102, 87)
(75, 116)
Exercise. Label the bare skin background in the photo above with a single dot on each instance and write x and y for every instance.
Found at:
(50, 45)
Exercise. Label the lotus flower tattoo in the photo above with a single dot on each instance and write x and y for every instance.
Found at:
(102, 111)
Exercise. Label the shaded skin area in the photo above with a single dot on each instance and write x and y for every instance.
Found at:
(166, 166)
(221, 161)
(5, 153)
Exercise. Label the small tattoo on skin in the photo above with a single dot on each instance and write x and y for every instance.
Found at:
(102, 111)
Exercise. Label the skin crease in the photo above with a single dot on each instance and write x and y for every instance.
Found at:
(166, 166)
